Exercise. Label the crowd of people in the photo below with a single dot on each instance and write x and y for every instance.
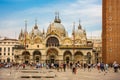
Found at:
(101, 67)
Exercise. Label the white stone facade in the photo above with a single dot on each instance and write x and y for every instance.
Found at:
(7, 49)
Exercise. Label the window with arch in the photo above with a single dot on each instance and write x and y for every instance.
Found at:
(52, 41)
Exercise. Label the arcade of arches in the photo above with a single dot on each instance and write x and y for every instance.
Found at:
(53, 55)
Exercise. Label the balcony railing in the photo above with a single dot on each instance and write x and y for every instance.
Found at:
(76, 46)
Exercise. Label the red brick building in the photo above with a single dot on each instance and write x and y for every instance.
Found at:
(111, 31)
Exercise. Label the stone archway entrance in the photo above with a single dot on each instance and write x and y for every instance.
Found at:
(36, 56)
(88, 57)
(52, 58)
(78, 57)
(52, 55)
(26, 57)
(8, 60)
(67, 56)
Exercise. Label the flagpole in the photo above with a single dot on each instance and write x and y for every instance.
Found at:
(73, 37)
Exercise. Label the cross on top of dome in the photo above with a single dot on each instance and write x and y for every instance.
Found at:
(57, 19)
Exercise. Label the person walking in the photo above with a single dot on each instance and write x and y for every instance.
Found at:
(64, 67)
(106, 67)
(61, 66)
(102, 67)
(98, 67)
(89, 66)
(84, 66)
(115, 65)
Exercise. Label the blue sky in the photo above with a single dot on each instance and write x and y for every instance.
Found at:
(14, 12)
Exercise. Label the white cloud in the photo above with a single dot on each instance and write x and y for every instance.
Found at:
(87, 11)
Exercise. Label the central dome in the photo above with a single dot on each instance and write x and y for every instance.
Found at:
(57, 27)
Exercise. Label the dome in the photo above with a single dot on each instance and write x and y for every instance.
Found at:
(57, 27)
(35, 32)
(80, 32)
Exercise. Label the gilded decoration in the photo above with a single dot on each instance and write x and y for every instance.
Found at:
(54, 44)
(67, 41)
(37, 40)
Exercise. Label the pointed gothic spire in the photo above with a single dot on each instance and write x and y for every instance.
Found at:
(59, 21)
(73, 33)
(21, 34)
(25, 34)
(55, 20)
(50, 27)
(25, 26)
(21, 31)
(79, 26)
(36, 27)
(43, 31)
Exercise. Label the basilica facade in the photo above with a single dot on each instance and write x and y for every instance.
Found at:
(54, 45)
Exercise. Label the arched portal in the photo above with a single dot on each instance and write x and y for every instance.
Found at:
(8, 60)
(78, 57)
(88, 57)
(36, 56)
(52, 55)
(26, 57)
(67, 56)
(52, 41)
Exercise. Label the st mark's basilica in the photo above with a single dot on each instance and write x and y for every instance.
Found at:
(54, 45)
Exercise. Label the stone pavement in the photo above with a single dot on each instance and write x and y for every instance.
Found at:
(51, 74)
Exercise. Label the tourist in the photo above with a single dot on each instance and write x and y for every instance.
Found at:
(52, 65)
(61, 66)
(57, 66)
(71, 65)
(98, 67)
(115, 65)
(84, 66)
(64, 67)
(89, 66)
(74, 69)
(106, 67)
(23, 66)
